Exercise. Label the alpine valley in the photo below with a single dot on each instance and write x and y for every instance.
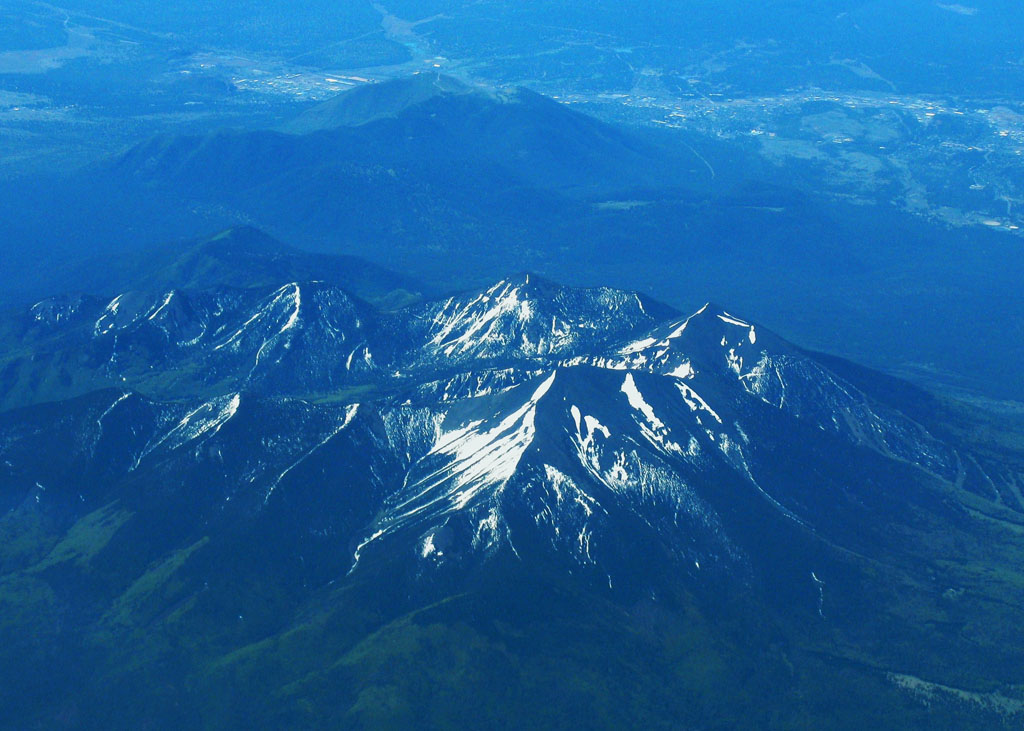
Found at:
(258, 488)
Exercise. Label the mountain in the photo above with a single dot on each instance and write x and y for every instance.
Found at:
(387, 99)
(432, 129)
(176, 307)
(285, 506)
(422, 160)
(239, 257)
(534, 140)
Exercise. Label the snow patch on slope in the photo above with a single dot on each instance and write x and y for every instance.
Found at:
(472, 461)
(203, 421)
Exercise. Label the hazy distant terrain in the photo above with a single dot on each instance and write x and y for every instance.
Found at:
(852, 99)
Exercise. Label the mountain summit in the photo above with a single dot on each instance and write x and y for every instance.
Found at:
(387, 99)
(239, 257)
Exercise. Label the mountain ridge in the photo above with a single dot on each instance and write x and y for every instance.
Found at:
(240, 257)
